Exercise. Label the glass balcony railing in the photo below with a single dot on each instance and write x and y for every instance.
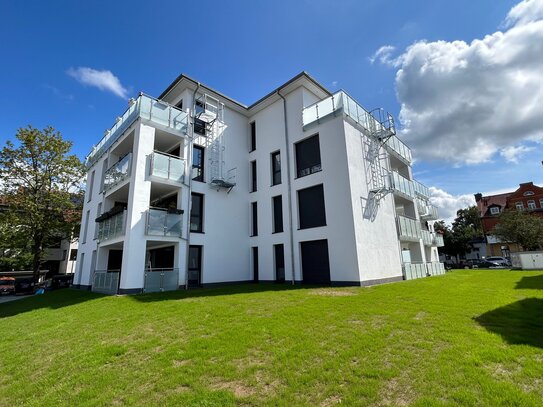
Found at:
(397, 147)
(427, 211)
(148, 108)
(105, 281)
(403, 185)
(164, 222)
(426, 237)
(111, 225)
(421, 189)
(438, 240)
(409, 229)
(167, 167)
(161, 279)
(418, 270)
(118, 172)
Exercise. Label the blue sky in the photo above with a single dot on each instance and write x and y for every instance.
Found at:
(247, 48)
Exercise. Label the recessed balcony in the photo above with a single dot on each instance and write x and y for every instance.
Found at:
(117, 173)
(402, 186)
(421, 189)
(167, 167)
(408, 229)
(111, 224)
(164, 222)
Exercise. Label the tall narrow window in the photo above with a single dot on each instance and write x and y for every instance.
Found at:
(308, 156)
(197, 213)
(276, 168)
(104, 169)
(81, 263)
(520, 206)
(531, 204)
(254, 219)
(255, 264)
(279, 252)
(90, 186)
(277, 214)
(311, 207)
(541, 202)
(253, 137)
(198, 163)
(86, 228)
(253, 177)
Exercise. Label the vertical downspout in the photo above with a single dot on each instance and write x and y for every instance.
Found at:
(289, 187)
(189, 168)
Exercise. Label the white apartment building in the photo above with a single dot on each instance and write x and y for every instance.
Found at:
(302, 186)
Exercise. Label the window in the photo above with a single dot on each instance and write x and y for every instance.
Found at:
(276, 168)
(73, 254)
(180, 105)
(541, 202)
(494, 210)
(199, 127)
(198, 163)
(520, 206)
(279, 253)
(86, 228)
(308, 156)
(255, 263)
(254, 219)
(531, 204)
(277, 202)
(104, 169)
(197, 213)
(81, 264)
(91, 184)
(528, 193)
(311, 207)
(253, 137)
(253, 176)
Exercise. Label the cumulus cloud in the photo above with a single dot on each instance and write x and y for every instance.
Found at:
(104, 80)
(464, 102)
(448, 204)
(513, 153)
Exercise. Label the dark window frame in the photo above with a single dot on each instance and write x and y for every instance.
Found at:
(304, 165)
(254, 219)
(199, 216)
(200, 168)
(276, 168)
(277, 214)
(252, 136)
(309, 215)
(279, 262)
(254, 177)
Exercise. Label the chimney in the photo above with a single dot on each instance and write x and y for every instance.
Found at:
(478, 197)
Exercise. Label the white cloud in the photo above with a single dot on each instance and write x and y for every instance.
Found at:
(463, 102)
(513, 153)
(448, 204)
(103, 80)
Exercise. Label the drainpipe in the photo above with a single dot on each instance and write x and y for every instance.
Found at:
(189, 196)
(289, 187)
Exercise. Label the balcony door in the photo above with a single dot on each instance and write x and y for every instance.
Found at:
(195, 266)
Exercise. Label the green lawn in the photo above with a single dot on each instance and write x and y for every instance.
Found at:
(469, 338)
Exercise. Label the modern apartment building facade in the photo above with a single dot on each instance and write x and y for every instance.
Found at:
(303, 186)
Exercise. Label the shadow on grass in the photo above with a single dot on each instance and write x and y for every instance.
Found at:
(50, 300)
(519, 323)
(531, 282)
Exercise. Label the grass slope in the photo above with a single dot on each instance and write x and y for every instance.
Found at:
(468, 338)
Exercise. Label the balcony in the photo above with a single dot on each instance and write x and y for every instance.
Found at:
(426, 237)
(105, 281)
(402, 185)
(427, 211)
(157, 112)
(421, 189)
(111, 224)
(118, 172)
(408, 229)
(418, 270)
(438, 240)
(161, 279)
(164, 222)
(167, 167)
(397, 148)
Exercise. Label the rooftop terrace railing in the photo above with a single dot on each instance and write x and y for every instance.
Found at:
(147, 108)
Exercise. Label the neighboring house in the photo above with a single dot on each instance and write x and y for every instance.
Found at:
(302, 186)
(527, 197)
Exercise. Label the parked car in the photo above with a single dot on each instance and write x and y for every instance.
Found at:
(485, 264)
(24, 286)
(500, 260)
(7, 285)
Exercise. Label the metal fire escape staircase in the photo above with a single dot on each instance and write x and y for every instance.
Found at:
(380, 128)
(211, 111)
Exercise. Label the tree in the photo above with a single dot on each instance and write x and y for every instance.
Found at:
(38, 181)
(465, 227)
(520, 227)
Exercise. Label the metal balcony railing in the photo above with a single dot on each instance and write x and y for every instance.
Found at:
(408, 229)
(427, 211)
(426, 237)
(105, 281)
(399, 149)
(118, 172)
(421, 189)
(145, 107)
(111, 225)
(438, 240)
(161, 279)
(164, 222)
(168, 167)
(402, 185)
(418, 270)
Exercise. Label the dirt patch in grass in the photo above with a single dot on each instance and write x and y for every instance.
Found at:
(238, 388)
(331, 401)
(395, 393)
(180, 363)
(330, 292)
(420, 316)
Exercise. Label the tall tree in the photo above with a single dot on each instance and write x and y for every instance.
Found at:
(520, 227)
(465, 227)
(39, 179)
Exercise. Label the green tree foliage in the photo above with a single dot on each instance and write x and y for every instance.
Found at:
(39, 179)
(465, 227)
(520, 227)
